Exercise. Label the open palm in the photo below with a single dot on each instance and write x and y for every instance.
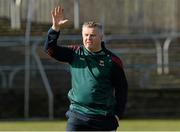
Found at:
(58, 17)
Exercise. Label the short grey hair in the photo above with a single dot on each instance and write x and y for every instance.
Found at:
(93, 24)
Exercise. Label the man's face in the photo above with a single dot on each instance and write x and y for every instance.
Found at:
(92, 38)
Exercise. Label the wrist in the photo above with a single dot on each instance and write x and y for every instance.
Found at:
(56, 28)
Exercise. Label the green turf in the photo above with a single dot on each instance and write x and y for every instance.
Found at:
(125, 125)
(150, 125)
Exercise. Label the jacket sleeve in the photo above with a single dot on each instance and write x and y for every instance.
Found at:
(121, 86)
(60, 53)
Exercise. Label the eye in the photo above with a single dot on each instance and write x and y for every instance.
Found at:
(93, 35)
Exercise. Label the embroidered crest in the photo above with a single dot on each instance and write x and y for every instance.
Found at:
(101, 63)
(81, 58)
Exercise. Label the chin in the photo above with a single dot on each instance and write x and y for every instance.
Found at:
(89, 48)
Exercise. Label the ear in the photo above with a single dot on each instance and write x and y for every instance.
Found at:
(82, 32)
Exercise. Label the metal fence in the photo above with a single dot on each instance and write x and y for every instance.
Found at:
(160, 51)
(32, 61)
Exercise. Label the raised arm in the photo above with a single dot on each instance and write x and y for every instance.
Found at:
(58, 18)
(59, 53)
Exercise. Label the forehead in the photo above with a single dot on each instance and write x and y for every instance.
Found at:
(90, 30)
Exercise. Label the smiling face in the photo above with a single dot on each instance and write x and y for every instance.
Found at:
(92, 37)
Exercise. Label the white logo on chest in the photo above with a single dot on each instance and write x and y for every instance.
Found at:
(101, 63)
(81, 58)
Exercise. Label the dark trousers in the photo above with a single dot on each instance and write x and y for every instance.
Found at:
(80, 122)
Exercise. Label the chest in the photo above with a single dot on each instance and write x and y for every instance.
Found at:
(98, 66)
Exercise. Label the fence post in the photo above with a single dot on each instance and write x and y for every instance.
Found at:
(27, 59)
(76, 14)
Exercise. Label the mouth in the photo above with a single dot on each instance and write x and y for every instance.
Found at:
(89, 42)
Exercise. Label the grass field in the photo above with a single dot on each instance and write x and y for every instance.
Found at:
(125, 125)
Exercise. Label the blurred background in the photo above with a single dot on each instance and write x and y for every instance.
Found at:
(145, 34)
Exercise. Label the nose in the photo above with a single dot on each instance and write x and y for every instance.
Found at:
(89, 37)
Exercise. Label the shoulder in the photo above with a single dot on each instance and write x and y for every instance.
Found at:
(115, 59)
(75, 47)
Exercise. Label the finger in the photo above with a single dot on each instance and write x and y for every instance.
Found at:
(63, 22)
(53, 13)
(61, 9)
(66, 20)
(56, 10)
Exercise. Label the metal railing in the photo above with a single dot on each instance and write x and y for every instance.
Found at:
(34, 41)
(161, 41)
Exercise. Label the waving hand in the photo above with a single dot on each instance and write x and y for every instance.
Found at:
(58, 18)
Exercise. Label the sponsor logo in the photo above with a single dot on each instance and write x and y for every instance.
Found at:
(101, 63)
(81, 58)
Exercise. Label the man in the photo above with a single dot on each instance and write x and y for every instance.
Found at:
(99, 87)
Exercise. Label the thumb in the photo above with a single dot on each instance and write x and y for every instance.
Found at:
(63, 21)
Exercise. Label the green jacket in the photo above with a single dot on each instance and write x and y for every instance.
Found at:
(99, 85)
